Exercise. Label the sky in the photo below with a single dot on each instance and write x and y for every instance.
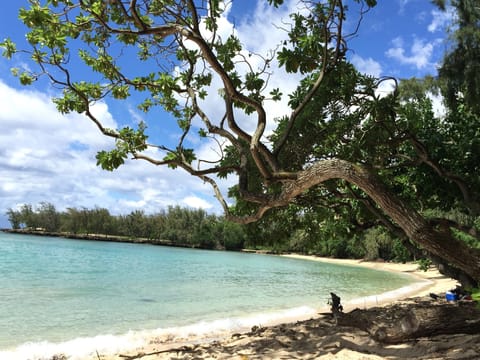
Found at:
(49, 157)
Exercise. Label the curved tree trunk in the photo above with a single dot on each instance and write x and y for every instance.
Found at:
(443, 267)
(410, 221)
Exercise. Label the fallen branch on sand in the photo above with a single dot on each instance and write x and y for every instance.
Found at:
(407, 321)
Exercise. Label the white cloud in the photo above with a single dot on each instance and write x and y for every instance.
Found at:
(45, 156)
(196, 203)
(367, 66)
(420, 52)
(440, 19)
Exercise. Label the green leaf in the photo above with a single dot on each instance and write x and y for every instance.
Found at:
(9, 48)
(26, 78)
(202, 94)
(276, 94)
(188, 155)
(121, 92)
(110, 160)
(275, 3)
(171, 158)
(253, 82)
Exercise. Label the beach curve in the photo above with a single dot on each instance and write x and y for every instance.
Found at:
(233, 345)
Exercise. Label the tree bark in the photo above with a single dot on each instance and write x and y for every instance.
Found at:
(400, 323)
(415, 226)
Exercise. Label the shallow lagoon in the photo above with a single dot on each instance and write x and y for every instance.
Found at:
(55, 290)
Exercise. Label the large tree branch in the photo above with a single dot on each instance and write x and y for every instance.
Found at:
(410, 221)
(259, 153)
(443, 266)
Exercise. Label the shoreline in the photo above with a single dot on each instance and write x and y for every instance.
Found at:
(427, 282)
(166, 344)
(198, 340)
(430, 281)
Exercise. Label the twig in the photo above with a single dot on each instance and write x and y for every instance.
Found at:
(140, 355)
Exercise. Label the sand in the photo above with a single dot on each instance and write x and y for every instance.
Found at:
(319, 337)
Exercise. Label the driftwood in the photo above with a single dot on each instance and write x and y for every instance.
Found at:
(423, 318)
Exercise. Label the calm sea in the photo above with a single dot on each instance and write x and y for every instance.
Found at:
(72, 296)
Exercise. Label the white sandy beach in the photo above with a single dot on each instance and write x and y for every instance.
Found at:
(315, 338)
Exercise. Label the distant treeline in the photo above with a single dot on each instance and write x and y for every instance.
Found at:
(174, 226)
(279, 232)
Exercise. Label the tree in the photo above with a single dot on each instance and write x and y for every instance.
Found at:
(29, 217)
(337, 141)
(15, 218)
(72, 221)
(48, 217)
(460, 68)
(101, 221)
(231, 235)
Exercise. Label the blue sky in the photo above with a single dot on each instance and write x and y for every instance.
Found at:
(45, 156)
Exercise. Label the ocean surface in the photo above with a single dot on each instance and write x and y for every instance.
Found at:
(76, 297)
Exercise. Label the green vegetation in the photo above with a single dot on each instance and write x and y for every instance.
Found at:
(176, 226)
(424, 264)
(195, 228)
(344, 163)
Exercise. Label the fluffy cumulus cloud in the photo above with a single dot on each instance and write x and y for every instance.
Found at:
(196, 202)
(419, 54)
(367, 66)
(45, 156)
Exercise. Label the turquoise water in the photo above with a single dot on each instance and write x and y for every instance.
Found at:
(54, 290)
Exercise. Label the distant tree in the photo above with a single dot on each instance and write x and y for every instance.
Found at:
(135, 224)
(15, 218)
(232, 235)
(72, 221)
(101, 221)
(157, 225)
(29, 217)
(203, 236)
(339, 142)
(48, 217)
